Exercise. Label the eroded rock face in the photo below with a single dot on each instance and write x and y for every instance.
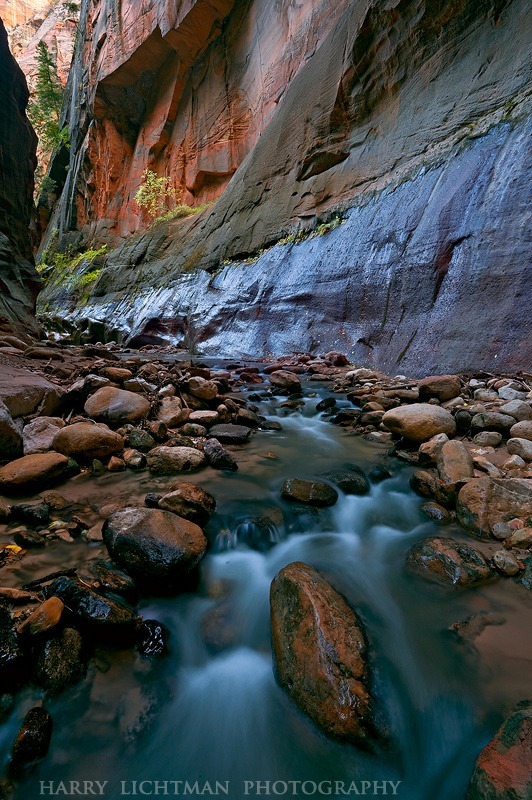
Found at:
(320, 654)
(502, 770)
(19, 282)
(412, 277)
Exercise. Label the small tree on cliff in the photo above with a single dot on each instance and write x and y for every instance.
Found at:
(44, 108)
(154, 193)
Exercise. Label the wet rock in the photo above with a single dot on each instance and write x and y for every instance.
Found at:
(105, 577)
(488, 438)
(32, 741)
(61, 662)
(28, 539)
(501, 530)
(327, 404)
(15, 596)
(164, 460)
(202, 388)
(38, 435)
(442, 387)
(419, 421)
(425, 483)
(218, 457)
(436, 512)
(521, 448)
(502, 770)
(43, 619)
(521, 539)
(157, 548)
(522, 430)
(10, 436)
(285, 382)
(138, 712)
(190, 502)
(447, 561)
(189, 429)
(33, 472)
(524, 578)
(482, 502)
(133, 459)
(217, 627)
(462, 419)
(205, 418)
(454, 462)
(12, 663)
(312, 493)
(92, 610)
(320, 654)
(152, 638)
(378, 474)
(34, 513)
(116, 406)
(116, 464)
(139, 439)
(347, 416)
(257, 533)
(116, 374)
(492, 421)
(230, 434)
(352, 481)
(506, 563)
(88, 440)
(518, 409)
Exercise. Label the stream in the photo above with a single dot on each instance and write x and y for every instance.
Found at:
(211, 711)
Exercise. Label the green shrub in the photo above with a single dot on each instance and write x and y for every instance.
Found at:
(154, 193)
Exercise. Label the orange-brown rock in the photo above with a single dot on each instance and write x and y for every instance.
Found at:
(32, 472)
(320, 654)
(43, 619)
(483, 502)
(502, 770)
(88, 440)
(116, 406)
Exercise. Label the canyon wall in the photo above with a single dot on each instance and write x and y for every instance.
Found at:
(406, 118)
(19, 282)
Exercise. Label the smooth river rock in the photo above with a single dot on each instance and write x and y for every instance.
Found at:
(157, 548)
(88, 440)
(190, 502)
(483, 502)
(419, 421)
(320, 654)
(165, 460)
(312, 493)
(448, 561)
(37, 471)
(116, 406)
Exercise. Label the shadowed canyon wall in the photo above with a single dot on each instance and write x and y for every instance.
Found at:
(19, 282)
(406, 117)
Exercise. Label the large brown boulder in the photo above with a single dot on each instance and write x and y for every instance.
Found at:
(37, 471)
(483, 502)
(503, 768)
(286, 382)
(116, 406)
(454, 462)
(88, 440)
(157, 548)
(320, 654)
(443, 387)
(26, 392)
(445, 560)
(419, 421)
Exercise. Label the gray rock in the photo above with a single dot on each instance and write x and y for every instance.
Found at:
(230, 434)
(172, 460)
(312, 493)
(522, 430)
(517, 409)
(506, 563)
(488, 438)
(521, 448)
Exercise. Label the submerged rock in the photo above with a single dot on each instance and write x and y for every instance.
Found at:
(502, 770)
(61, 662)
(320, 654)
(312, 493)
(351, 481)
(157, 548)
(33, 739)
(445, 560)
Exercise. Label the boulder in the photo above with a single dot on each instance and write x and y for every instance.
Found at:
(488, 438)
(33, 472)
(285, 382)
(520, 447)
(190, 502)
(442, 387)
(116, 406)
(165, 460)
(350, 481)
(172, 413)
(98, 614)
(483, 502)
(32, 740)
(88, 440)
(61, 662)
(454, 462)
(419, 421)
(202, 388)
(492, 421)
(25, 393)
(518, 409)
(502, 770)
(320, 654)
(522, 430)
(10, 435)
(312, 493)
(38, 435)
(157, 548)
(218, 457)
(447, 561)
(230, 434)
(429, 451)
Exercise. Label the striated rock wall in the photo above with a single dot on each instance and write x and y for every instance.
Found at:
(19, 282)
(411, 114)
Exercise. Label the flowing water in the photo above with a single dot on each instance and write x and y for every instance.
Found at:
(210, 712)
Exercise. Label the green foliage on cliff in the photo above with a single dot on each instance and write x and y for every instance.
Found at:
(44, 109)
(154, 194)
